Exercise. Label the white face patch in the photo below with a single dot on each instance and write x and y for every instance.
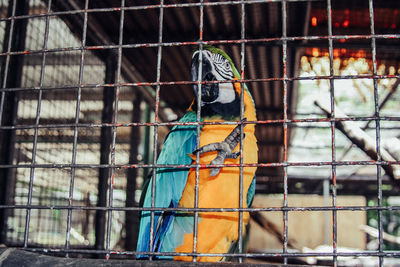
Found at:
(226, 90)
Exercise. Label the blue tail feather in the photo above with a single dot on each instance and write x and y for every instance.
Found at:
(170, 183)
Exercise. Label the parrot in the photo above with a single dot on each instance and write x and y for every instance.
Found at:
(217, 232)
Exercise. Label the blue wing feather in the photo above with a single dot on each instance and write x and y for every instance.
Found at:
(170, 183)
(251, 192)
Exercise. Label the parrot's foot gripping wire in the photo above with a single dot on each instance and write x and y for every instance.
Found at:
(224, 149)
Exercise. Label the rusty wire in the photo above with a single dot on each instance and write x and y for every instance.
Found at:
(286, 122)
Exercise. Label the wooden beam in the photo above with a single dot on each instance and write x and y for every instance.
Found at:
(97, 36)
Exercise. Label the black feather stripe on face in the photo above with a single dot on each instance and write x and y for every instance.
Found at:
(222, 66)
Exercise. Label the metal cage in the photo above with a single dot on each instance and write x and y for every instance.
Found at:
(90, 89)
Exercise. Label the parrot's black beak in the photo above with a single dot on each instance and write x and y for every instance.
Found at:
(209, 91)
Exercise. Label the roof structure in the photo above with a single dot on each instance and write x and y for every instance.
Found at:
(306, 29)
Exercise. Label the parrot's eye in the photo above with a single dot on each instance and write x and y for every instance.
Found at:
(227, 65)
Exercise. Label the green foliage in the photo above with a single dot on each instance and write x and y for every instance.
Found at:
(390, 222)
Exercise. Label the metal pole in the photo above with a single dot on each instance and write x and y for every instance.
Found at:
(333, 135)
(11, 73)
(378, 131)
(325, 189)
(285, 130)
(75, 140)
(105, 150)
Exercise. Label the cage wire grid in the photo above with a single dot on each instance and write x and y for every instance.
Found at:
(116, 83)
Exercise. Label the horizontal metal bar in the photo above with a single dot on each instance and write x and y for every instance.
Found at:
(203, 166)
(212, 42)
(151, 124)
(147, 7)
(326, 127)
(247, 255)
(137, 84)
(263, 209)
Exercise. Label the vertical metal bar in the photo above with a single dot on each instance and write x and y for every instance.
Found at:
(10, 31)
(242, 67)
(131, 218)
(75, 140)
(114, 129)
(325, 193)
(11, 74)
(156, 119)
(378, 132)
(198, 130)
(333, 148)
(35, 138)
(285, 129)
(105, 143)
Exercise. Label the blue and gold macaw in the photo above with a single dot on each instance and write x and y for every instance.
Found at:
(218, 187)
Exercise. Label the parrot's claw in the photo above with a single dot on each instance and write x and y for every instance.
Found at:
(224, 149)
(234, 155)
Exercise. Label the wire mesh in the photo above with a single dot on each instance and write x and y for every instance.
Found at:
(84, 114)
